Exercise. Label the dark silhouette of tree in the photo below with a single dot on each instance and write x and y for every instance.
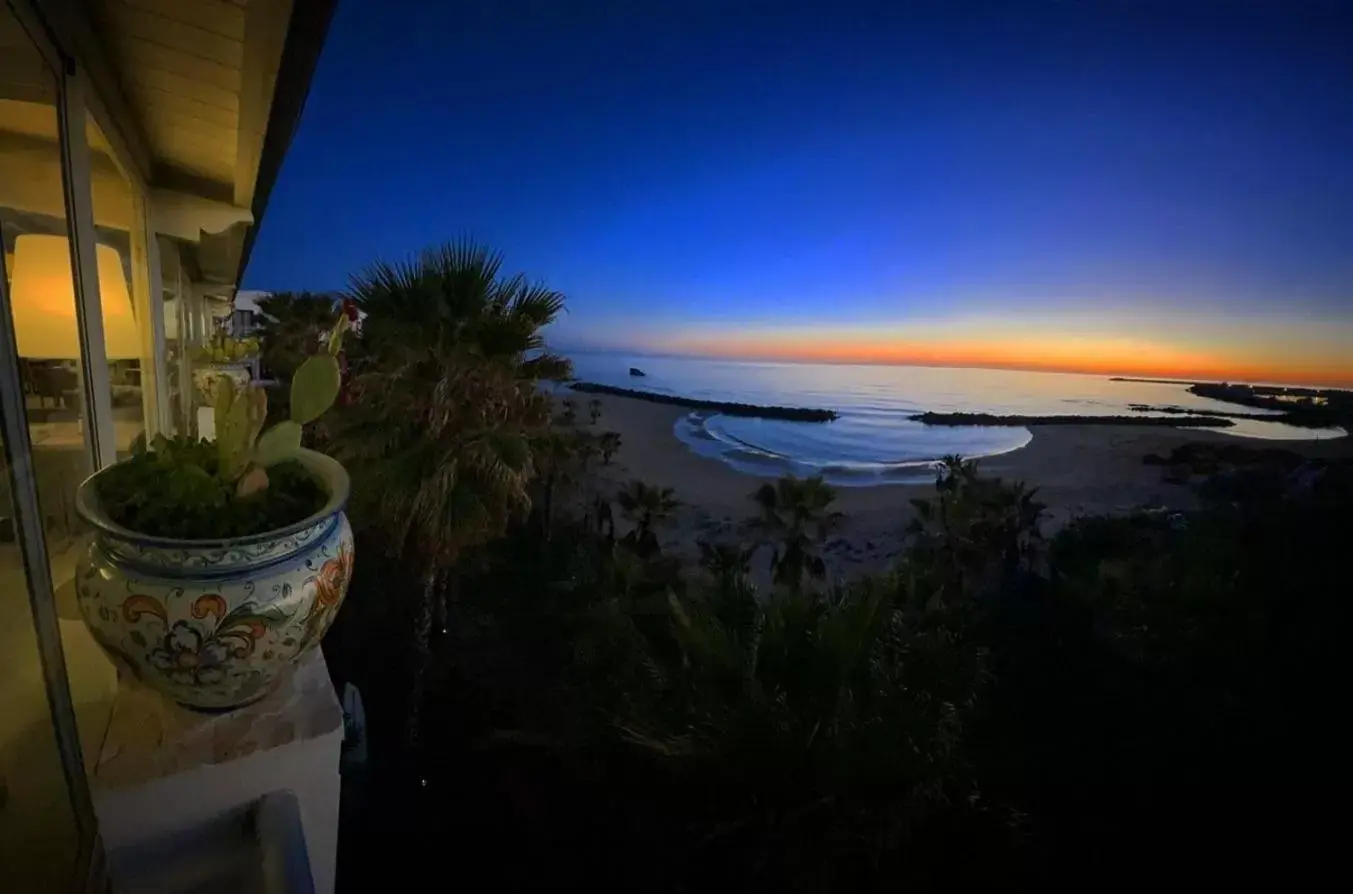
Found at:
(795, 519)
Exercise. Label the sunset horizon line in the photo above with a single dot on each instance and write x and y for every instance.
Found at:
(1269, 376)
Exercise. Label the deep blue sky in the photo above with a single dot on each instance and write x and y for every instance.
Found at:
(1181, 172)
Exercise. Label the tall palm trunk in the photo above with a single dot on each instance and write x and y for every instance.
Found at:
(422, 656)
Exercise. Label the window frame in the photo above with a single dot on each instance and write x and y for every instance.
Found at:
(88, 871)
(144, 254)
(78, 100)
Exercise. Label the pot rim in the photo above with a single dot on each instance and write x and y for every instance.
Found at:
(330, 472)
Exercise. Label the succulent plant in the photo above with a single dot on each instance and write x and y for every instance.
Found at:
(225, 349)
(244, 453)
(239, 418)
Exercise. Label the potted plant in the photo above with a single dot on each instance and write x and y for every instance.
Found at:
(224, 357)
(228, 349)
(216, 564)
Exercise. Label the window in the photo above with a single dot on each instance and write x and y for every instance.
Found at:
(40, 832)
(177, 338)
(184, 337)
(124, 291)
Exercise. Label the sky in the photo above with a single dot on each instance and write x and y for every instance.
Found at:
(1135, 187)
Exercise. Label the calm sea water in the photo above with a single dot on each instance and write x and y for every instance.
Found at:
(873, 442)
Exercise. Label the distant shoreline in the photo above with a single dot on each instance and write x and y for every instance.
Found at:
(1137, 421)
(1078, 470)
(1159, 381)
(1185, 411)
(793, 414)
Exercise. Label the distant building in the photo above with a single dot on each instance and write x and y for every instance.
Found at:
(244, 320)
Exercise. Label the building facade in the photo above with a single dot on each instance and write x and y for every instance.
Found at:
(139, 143)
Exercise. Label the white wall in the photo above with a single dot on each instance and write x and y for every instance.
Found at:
(247, 299)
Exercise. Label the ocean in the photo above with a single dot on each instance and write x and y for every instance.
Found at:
(873, 442)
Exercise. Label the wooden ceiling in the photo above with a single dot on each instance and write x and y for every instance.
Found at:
(200, 75)
(194, 88)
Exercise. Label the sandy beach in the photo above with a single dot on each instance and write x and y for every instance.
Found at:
(1078, 470)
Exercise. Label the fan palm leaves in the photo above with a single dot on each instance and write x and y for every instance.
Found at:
(725, 560)
(444, 443)
(455, 296)
(608, 444)
(446, 410)
(976, 531)
(645, 506)
(818, 687)
(562, 456)
(795, 518)
(291, 325)
(447, 407)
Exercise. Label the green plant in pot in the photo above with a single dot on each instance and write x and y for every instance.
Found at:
(217, 564)
(228, 349)
(222, 358)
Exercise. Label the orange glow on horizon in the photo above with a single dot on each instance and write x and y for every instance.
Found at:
(1091, 355)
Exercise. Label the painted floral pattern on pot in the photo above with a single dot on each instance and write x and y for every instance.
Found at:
(216, 640)
(331, 584)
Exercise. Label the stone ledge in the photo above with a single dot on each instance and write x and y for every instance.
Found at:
(149, 737)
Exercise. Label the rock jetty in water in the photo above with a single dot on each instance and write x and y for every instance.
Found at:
(791, 414)
(990, 419)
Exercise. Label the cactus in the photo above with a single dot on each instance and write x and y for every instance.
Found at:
(278, 443)
(314, 388)
(239, 418)
(243, 454)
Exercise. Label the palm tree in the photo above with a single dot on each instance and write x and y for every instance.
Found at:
(455, 296)
(725, 561)
(795, 520)
(608, 444)
(291, 325)
(644, 507)
(976, 532)
(562, 455)
(810, 701)
(445, 410)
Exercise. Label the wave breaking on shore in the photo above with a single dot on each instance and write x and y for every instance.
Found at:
(708, 434)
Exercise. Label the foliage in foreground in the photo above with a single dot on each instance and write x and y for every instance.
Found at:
(292, 326)
(995, 708)
(795, 520)
(708, 696)
(446, 405)
(446, 418)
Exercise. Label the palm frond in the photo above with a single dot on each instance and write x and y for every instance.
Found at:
(455, 297)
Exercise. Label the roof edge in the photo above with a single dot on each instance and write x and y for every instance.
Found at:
(306, 32)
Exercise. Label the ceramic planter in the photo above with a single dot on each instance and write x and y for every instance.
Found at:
(214, 624)
(206, 375)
